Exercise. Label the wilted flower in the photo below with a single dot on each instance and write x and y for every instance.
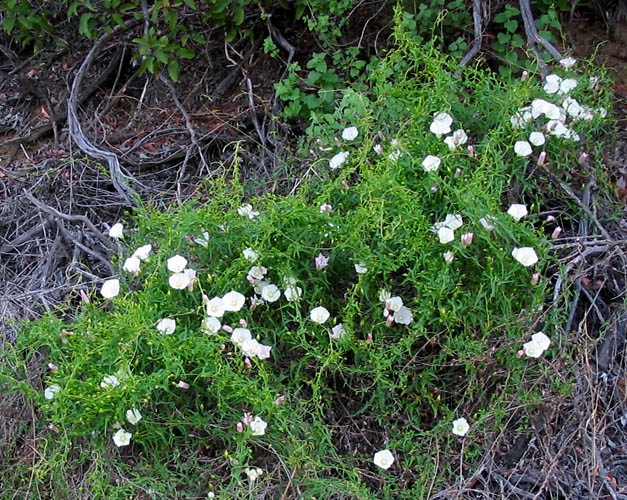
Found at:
(378, 149)
(350, 133)
(460, 427)
(431, 163)
(517, 211)
(395, 155)
(110, 288)
(177, 264)
(117, 231)
(132, 265)
(143, 252)
(203, 240)
(535, 278)
(384, 295)
(458, 138)
(258, 426)
(360, 268)
(179, 281)
(522, 148)
(522, 117)
(325, 207)
(233, 301)
(537, 138)
(247, 211)
(337, 160)
(338, 331)
(488, 222)
(270, 293)
(182, 385)
(133, 416)
(122, 438)
(448, 257)
(383, 459)
(51, 390)
(250, 255)
(109, 381)
(441, 124)
(166, 326)
(211, 325)
(525, 255)
(319, 315)
(466, 239)
(321, 261)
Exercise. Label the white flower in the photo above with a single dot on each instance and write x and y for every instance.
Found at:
(534, 349)
(602, 112)
(466, 239)
(110, 288)
(394, 303)
(257, 272)
(431, 163)
(240, 335)
(384, 295)
(270, 293)
(109, 381)
(488, 222)
(117, 230)
(179, 281)
(263, 351)
(458, 138)
(258, 426)
(247, 211)
(568, 62)
(567, 85)
(383, 459)
(448, 257)
(250, 255)
(350, 133)
(446, 235)
(517, 211)
(177, 264)
(548, 109)
(337, 160)
(253, 473)
(441, 124)
(166, 326)
(403, 316)
(258, 286)
(542, 340)
(133, 416)
(51, 390)
(453, 221)
(203, 240)
(132, 265)
(558, 129)
(460, 427)
(537, 138)
(250, 347)
(338, 331)
(122, 438)
(293, 293)
(525, 255)
(143, 252)
(233, 301)
(215, 307)
(572, 107)
(360, 268)
(395, 155)
(325, 207)
(321, 261)
(319, 315)
(552, 84)
(211, 325)
(522, 148)
(522, 117)
(377, 148)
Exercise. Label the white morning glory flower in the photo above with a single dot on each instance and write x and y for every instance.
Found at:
(453, 221)
(250, 348)
(203, 240)
(394, 303)
(350, 133)
(110, 288)
(132, 265)
(109, 381)
(258, 286)
(253, 473)
(448, 257)
(525, 255)
(460, 427)
(233, 301)
(572, 107)
(211, 325)
(257, 272)
(384, 295)
(552, 84)
(548, 109)
(321, 261)
(270, 293)
(166, 326)
(133, 416)
(51, 390)
(122, 438)
(240, 335)
(383, 459)
(403, 316)
(446, 235)
(117, 231)
(337, 160)
(143, 252)
(338, 331)
(293, 293)
(568, 62)
(360, 268)
(319, 315)
(521, 117)
(215, 307)
(567, 85)
(431, 163)
(537, 345)
(177, 264)
(258, 426)
(542, 340)
(517, 211)
(395, 155)
(458, 138)
(179, 281)
(488, 222)
(250, 255)
(522, 148)
(537, 138)
(441, 124)
(247, 211)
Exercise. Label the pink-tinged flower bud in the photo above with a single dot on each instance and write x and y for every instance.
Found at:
(84, 296)
(243, 322)
(542, 158)
(458, 173)
(227, 328)
(250, 279)
(434, 189)
(248, 418)
(535, 278)
(466, 239)
(378, 149)
(389, 321)
(240, 427)
(524, 75)
(183, 385)
(520, 353)
(394, 142)
(223, 346)
(248, 363)
(583, 158)
(345, 184)
(51, 427)
(53, 367)
(279, 400)
(550, 218)
(471, 150)
(322, 148)
(369, 337)
(312, 152)
(556, 233)
(386, 312)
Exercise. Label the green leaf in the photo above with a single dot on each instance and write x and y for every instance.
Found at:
(238, 15)
(84, 25)
(511, 25)
(9, 23)
(185, 53)
(174, 70)
(162, 57)
(118, 19)
(503, 38)
(190, 3)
